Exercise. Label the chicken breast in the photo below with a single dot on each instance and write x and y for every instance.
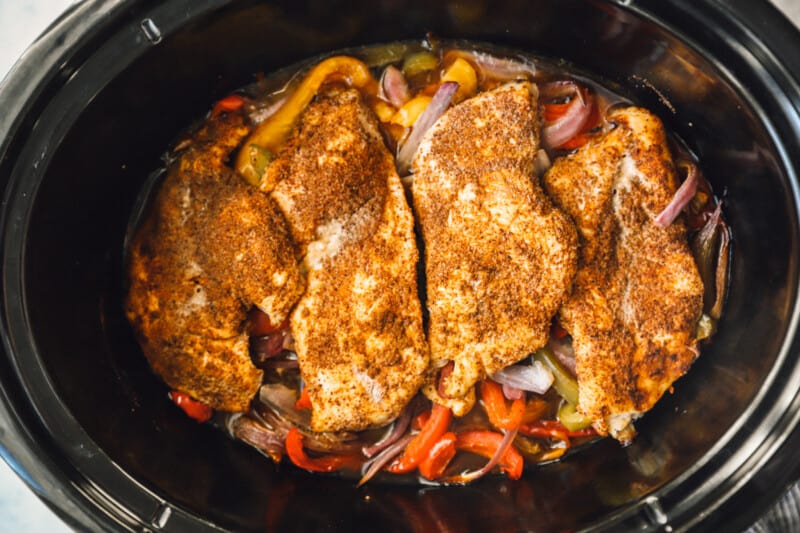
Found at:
(211, 248)
(358, 327)
(499, 257)
(638, 295)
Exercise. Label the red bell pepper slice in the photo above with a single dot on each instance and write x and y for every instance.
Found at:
(485, 443)
(231, 102)
(439, 457)
(298, 456)
(495, 404)
(304, 401)
(421, 444)
(194, 409)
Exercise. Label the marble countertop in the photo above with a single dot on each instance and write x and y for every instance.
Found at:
(21, 22)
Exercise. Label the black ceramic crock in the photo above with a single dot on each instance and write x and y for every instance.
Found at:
(84, 118)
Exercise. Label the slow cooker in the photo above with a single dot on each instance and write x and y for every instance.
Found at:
(99, 97)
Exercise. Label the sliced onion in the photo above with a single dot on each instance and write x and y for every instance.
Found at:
(682, 197)
(383, 458)
(501, 69)
(436, 108)
(565, 353)
(505, 444)
(721, 271)
(281, 399)
(394, 87)
(532, 378)
(327, 442)
(706, 250)
(258, 436)
(397, 430)
(513, 393)
(572, 122)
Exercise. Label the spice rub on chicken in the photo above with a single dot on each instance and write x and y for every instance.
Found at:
(499, 256)
(210, 248)
(638, 295)
(358, 327)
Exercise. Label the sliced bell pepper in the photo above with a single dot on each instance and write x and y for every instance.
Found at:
(571, 419)
(439, 457)
(495, 404)
(420, 420)
(485, 443)
(273, 132)
(563, 382)
(194, 409)
(553, 429)
(231, 102)
(298, 456)
(304, 401)
(421, 444)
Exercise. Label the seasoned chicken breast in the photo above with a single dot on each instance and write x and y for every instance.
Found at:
(211, 248)
(638, 295)
(358, 327)
(499, 257)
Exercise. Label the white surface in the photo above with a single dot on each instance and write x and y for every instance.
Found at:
(20, 23)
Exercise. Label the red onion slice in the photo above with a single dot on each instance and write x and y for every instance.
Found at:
(513, 393)
(399, 428)
(251, 432)
(682, 197)
(436, 108)
(394, 87)
(532, 378)
(505, 444)
(565, 353)
(574, 119)
(498, 68)
(342, 442)
(721, 281)
(383, 458)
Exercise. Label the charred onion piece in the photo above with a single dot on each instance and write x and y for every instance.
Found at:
(439, 104)
(682, 197)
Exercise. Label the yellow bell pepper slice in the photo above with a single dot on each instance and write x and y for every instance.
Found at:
(407, 115)
(273, 132)
(462, 72)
